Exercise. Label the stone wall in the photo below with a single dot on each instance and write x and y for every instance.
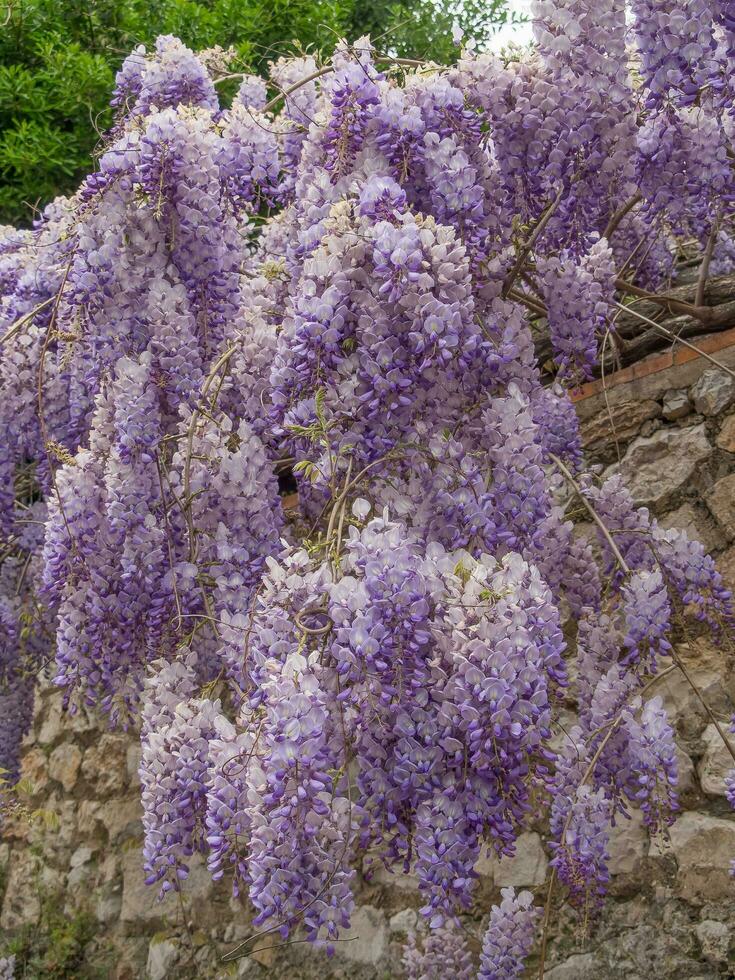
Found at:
(671, 911)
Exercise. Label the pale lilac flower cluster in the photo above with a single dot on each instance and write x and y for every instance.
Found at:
(172, 75)
(653, 764)
(390, 687)
(581, 855)
(647, 618)
(682, 167)
(352, 92)
(579, 295)
(442, 953)
(509, 936)
(177, 730)
(677, 47)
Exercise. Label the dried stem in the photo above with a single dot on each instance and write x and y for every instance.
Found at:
(675, 337)
(618, 216)
(26, 318)
(706, 259)
(703, 313)
(592, 512)
(530, 242)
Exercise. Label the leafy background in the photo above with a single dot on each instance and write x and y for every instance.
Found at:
(58, 60)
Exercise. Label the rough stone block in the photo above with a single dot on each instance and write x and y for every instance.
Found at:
(105, 765)
(582, 966)
(109, 902)
(698, 526)
(122, 819)
(21, 905)
(163, 955)
(713, 393)
(656, 467)
(716, 939)
(627, 419)
(404, 921)
(628, 844)
(711, 670)
(64, 763)
(526, 868)
(688, 787)
(704, 846)
(726, 437)
(52, 723)
(721, 501)
(367, 937)
(34, 769)
(140, 906)
(676, 404)
(716, 762)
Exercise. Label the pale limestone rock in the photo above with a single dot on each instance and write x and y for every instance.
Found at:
(367, 935)
(710, 668)
(89, 821)
(627, 419)
(105, 766)
(715, 939)
(716, 762)
(579, 967)
(726, 438)
(59, 830)
(132, 762)
(676, 404)
(526, 868)
(121, 818)
(79, 877)
(713, 393)
(395, 878)
(21, 905)
(81, 856)
(687, 787)
(140, 906)
(655, 467)
(628, 844)
(109, 902)
(404, 921)
(52, 724)
(245, 967)
(726, 567)
(63, 765)
(704, 847)
(162, 956)
(34, 769)
(721, 501)
(698, 527)
(83, 720)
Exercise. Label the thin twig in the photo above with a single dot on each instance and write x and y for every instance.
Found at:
(618, 216)
(676, 338)
(710, 714)
(703, 313)
(530, 242)
(587, 774)
(706, 259)
(592, 512)
(26, 318)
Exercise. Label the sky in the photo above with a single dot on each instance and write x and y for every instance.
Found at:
(517, 33)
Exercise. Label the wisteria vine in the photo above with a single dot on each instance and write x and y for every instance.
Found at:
(339, 277)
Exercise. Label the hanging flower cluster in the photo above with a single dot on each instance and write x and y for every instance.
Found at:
(345, 282)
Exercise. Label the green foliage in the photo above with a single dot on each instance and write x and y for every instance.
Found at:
(57, 948)
(58, 60)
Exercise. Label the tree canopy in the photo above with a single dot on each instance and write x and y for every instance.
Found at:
(58, 60)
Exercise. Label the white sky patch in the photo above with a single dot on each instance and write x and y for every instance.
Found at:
(513, 33)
